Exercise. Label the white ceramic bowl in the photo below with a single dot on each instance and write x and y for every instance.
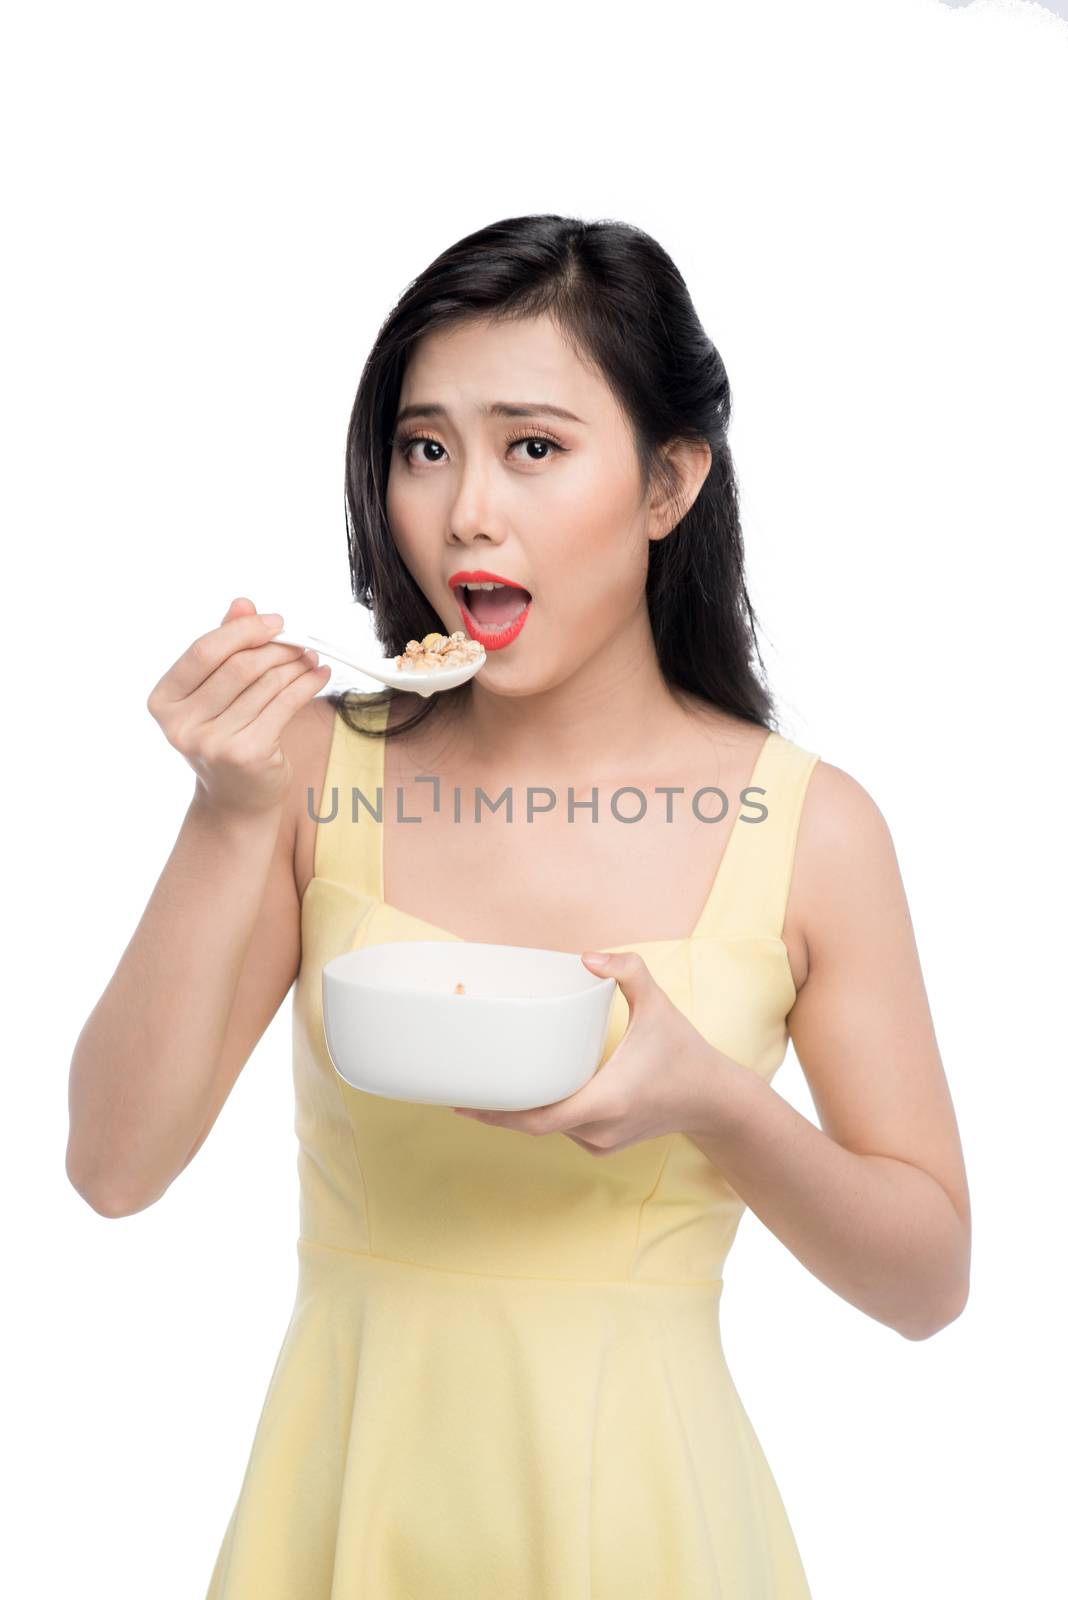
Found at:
(527, 1031)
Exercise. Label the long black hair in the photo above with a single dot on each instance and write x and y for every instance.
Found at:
(617, 297)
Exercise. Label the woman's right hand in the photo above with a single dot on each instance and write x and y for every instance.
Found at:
(224, 704)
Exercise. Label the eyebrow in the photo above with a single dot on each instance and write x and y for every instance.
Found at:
(498, 408)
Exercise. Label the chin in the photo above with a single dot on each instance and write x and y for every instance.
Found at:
(521, 683)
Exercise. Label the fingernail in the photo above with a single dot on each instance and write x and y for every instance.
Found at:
(273, 620)
(597, 959)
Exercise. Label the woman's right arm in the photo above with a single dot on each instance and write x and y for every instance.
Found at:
(218, 945)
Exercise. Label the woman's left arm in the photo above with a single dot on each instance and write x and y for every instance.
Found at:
(876, 1205)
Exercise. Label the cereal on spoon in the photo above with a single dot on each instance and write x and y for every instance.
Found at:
(434, 651)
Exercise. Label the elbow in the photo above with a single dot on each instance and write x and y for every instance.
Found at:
(105, 1202)
(109, 1205)
(936, 1317)
(104, 1205)
(944, 1301)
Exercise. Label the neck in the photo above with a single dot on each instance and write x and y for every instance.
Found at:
(607, 718)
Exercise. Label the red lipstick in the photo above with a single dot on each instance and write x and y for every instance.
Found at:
(490, 638)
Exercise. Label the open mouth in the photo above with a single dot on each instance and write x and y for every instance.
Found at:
(494, 605)
(493, 610)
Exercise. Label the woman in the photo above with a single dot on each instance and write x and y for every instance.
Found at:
(503, 1374)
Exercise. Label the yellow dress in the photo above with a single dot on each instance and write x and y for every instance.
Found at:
(502, 1378)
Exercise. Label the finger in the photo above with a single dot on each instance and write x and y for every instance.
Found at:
(627, 968)
(206, 654)
(238, 690)
(586, 1108)
(270, 700)
(584, 1144)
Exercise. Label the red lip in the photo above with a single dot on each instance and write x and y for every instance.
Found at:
(479, 576)
(488, 638)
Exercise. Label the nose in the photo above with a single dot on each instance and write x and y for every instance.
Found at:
(472, 517)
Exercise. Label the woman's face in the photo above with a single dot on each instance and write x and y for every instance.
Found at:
(550, 503)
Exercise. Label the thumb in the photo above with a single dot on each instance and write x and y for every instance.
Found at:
(626, 967)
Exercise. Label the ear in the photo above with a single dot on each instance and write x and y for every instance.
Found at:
(691, 461)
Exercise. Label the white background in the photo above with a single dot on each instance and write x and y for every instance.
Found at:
(213, 208)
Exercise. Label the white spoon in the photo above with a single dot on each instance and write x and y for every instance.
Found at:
(417, 681)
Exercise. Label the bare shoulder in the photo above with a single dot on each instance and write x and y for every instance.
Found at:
(839, 817)
(844, 856)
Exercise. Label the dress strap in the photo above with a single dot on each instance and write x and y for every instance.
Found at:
(348, 846)
(752, 886)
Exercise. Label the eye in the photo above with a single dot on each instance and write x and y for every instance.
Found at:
(537, 438)
(405, 441)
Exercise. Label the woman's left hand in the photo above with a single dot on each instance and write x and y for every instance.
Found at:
(661, 1078)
